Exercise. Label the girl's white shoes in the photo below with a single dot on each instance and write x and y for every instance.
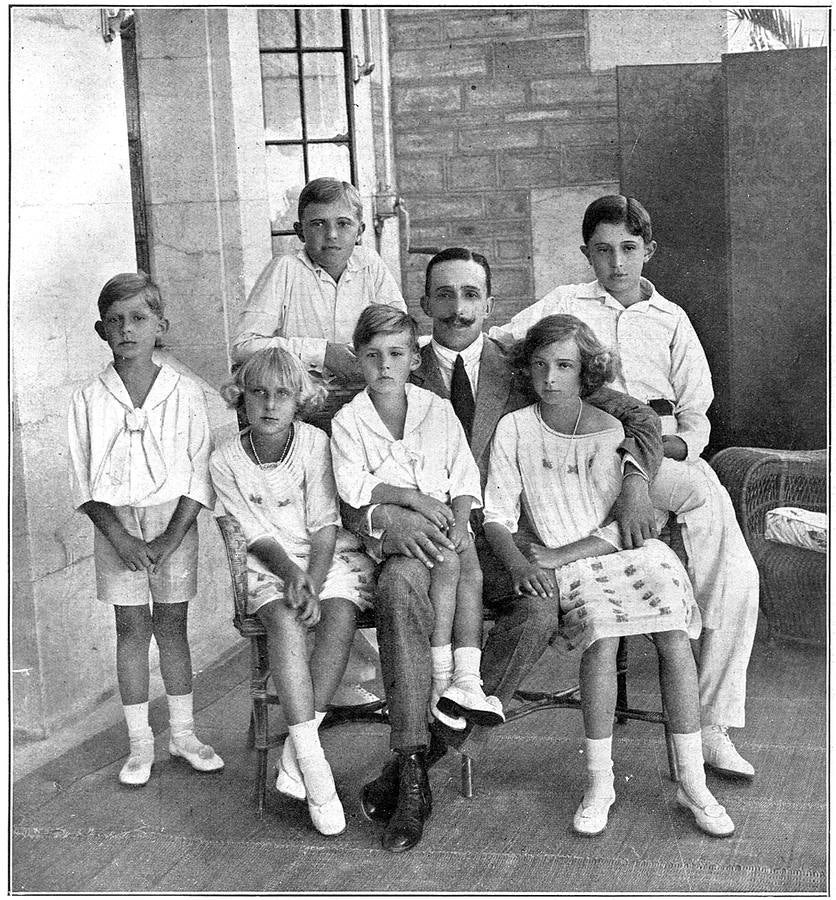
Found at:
(137, 769)
(328, 817)
(711, 818)
(591, 816)
(290, 783)
(200, 756)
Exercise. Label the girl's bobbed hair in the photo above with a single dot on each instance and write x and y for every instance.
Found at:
(597, 363)
(276, 364)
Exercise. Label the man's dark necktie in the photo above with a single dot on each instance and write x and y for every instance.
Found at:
(461, 396)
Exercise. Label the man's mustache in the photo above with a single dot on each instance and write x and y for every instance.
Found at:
(460, 321)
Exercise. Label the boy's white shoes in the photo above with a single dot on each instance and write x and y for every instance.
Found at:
(201, 757)
(465, 698)
(721, 755)
(712, 818)
(137, 769)
(591, 816)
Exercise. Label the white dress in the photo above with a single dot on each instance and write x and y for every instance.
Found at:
(289, 501)
(567, 485)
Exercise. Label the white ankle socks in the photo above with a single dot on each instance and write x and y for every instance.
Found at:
(289, 763)
(136, 718)
(467, 662)
(319, 782)
(688, 749)
(180, 714)
(601, 781)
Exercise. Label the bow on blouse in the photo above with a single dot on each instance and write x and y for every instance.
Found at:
(429, 479)
(133, 461)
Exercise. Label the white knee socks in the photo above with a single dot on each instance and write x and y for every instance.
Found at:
(467, 662)
(442, 663)
(688, 749)
(601, 781)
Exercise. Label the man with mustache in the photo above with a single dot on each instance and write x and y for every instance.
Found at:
(462, 364)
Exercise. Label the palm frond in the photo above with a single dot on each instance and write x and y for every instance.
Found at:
(775, 22)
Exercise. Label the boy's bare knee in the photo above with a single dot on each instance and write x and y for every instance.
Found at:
(134, 624)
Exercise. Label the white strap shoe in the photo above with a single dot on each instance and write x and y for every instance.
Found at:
(137, 769)
(592, 815)
(201, 757)
(712, 818)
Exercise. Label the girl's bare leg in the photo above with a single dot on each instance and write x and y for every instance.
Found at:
(598, 688)
(678, 681)
(444, 581)
(467, 625)
(334, 635)
(288, 661)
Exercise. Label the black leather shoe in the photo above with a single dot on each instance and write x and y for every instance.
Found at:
(415, 803)
(379, 798)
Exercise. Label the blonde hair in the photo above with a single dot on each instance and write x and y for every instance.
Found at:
(285, 368)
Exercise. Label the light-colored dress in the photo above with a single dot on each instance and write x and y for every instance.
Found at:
(567, 484)
(289, 501)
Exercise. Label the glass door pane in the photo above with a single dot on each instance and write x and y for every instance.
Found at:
(280, 92)
(325, 107)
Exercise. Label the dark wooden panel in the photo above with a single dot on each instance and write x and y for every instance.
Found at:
(671, 148)
(777, 194)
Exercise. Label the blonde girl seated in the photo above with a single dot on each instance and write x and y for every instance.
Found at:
(304, 570)
(558, 458)
(139, 444)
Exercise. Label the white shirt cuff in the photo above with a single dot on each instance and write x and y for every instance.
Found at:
(629, 458)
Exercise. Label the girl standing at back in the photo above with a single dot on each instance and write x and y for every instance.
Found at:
(558, 457)
(139, 444)
(304, 570)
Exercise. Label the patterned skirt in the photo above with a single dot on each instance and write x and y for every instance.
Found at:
(637, 591)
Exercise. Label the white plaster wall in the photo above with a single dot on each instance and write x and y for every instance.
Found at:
(71, 229)
(654, 36)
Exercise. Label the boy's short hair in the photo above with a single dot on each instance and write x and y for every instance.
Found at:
(616, 209)
(381, 319)
(460, 253)
(130, 284)
(329, 190)
(597, 363)
(286, 368)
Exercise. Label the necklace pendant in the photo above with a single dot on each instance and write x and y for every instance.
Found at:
(547, 463)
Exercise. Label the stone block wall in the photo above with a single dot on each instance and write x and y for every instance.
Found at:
(505, 124)
(488, 105)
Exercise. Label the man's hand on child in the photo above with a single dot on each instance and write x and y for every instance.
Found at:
(634, 513)
(409, 533)
(134, 552)
(437, 512)
(674, 447)
(532, 579)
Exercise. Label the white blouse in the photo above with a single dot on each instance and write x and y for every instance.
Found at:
(144, 456)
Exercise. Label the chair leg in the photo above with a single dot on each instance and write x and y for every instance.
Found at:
(251, 731)
(261, 780)
(621, 680)
(467, 776)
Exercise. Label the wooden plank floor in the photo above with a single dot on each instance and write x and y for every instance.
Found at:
(75, 829)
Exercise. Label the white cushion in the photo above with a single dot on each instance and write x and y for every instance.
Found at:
(797, 527)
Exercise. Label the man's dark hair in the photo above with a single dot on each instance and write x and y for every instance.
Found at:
(463, 254)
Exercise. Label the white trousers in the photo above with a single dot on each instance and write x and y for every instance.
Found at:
(725, 580)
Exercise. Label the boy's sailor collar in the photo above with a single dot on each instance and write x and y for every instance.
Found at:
(355, 262)
(650, 296)
(418, 403)
(163, 385)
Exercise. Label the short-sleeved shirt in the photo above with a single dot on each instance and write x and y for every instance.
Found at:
(298, 306)
(660, 354)
(145, 456)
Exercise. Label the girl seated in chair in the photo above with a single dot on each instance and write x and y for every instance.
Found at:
(304, 570)
(558, 457)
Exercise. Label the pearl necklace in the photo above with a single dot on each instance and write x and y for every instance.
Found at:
(547, 463)
(282, 455)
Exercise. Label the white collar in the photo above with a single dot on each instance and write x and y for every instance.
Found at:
(418, 402)
(354, 262)
(163, 385)
(469, 355)
(650, 296)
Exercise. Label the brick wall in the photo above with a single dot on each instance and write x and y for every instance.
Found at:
(486, 106)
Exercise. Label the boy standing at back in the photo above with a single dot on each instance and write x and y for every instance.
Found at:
(662, 362)
(308, 304)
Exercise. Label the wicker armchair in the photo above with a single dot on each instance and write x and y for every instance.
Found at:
(793, 590)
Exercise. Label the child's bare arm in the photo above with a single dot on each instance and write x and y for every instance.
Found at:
(133, 551)
(561, 556)
(162, 546)
(341, 361)
(297, 582)
(437, 512)
(322, 554)
(527, 577)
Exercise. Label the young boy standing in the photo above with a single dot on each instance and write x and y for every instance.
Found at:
(662, 362)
